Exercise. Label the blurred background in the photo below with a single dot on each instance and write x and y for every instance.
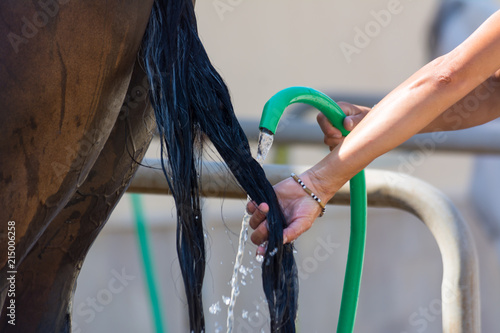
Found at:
(261, 47)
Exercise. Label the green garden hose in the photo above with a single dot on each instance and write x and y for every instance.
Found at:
(142, 235)
(273, 110)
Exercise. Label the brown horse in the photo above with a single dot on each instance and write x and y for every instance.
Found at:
(77, 117)
(69, 148)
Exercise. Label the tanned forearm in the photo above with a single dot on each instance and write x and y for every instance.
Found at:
(478, 107)
(412, 106)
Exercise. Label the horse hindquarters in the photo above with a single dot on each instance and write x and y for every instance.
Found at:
(46, 277)
(64, 71)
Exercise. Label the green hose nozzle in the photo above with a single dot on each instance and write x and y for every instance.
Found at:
(273, 110)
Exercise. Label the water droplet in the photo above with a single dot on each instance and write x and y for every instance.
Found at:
(226, 300)
(259, 258)
(214, 308)
(243, 270)
(244, 314)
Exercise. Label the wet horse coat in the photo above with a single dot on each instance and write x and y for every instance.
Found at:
(67, 152)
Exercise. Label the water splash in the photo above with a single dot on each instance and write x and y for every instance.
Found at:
(265, 142)
(215, 308)
(266, 139)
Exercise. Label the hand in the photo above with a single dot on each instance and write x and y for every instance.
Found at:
(299, 208)
(354, 115)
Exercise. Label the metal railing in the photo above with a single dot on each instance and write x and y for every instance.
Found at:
(460, 285)
(484, 139)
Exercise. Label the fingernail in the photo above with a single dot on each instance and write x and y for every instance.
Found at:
(259, 257)
(349, 123)
(261, 251)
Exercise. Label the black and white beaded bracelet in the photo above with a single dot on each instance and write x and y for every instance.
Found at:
(308, 191)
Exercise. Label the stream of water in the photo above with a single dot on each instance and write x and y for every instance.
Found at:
(264, 145)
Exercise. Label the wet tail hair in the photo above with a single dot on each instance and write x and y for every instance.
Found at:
(190, 98)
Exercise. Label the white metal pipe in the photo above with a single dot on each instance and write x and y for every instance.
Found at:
(484, 139)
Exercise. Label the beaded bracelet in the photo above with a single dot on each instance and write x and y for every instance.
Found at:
(308, 191)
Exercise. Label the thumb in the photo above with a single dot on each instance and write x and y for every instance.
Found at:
(350, 122)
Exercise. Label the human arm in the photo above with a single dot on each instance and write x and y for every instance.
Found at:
(479, 106)
(407, 110)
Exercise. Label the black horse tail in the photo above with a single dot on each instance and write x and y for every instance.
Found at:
(190, 98)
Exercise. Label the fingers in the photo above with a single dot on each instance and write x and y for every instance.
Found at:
(261, 250)
(294, 230)
(291, 233)
(258, 222)
(258, 213)
(327, 127)
(260, 234)
(352, 121)
(348, 108)
(333, 136)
